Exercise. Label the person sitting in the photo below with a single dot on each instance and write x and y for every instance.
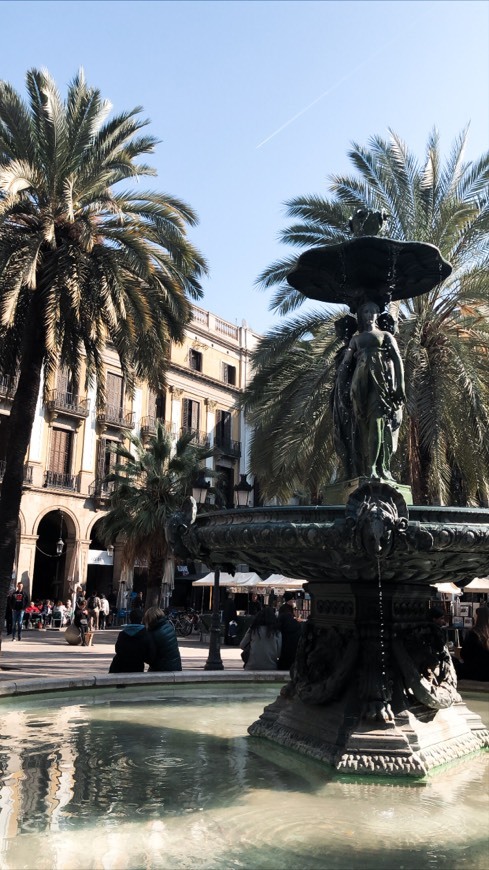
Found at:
(131, 647)
(69, 612)
(475, 649)
(163, 652)
(59, 611)
(31, 615)
(264, 641)
(291, 631)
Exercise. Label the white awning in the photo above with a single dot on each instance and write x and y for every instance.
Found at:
(448, 588)
(249, 580)
(478, 584)
(239, 579)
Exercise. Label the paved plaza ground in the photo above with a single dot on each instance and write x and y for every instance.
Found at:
(46, 654)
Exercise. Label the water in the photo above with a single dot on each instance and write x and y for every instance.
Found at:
(170, 779)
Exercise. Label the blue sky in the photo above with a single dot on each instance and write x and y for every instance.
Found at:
(257, 102)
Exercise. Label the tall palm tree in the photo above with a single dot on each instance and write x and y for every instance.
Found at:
(150, 483)
(444, 335)
(83, 259)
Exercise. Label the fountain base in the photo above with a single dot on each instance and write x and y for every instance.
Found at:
(339, 493)
(412, 744)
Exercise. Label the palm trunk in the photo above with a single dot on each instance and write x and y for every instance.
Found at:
(155, 577)
(20, 429)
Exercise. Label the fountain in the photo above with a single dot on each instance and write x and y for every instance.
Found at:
(373, 689)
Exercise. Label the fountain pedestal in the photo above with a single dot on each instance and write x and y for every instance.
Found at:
(371, 694)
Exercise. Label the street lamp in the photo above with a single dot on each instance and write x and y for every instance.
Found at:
(60, 545)
(200, 488)
(214, 661)
(242, 492)
(59, 551)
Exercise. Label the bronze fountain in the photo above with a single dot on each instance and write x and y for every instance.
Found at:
(373, 689)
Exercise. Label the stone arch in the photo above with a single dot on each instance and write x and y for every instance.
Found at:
(70, 518)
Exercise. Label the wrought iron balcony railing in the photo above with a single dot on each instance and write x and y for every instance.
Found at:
(57, 480)
(101, 490)
(68, 403)
(228, 446)
(8, 386)
(200, 438)
(115, 416)
(148, 426)
(27, 471)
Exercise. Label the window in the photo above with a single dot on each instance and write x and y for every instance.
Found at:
(195, 360)
(60, 451)
(107, 458)
(65, 382)
(223, 428)
(115, 391)
(190, 415)
(229, 374)
(156, 405)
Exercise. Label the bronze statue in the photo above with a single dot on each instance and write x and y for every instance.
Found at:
(369, 394)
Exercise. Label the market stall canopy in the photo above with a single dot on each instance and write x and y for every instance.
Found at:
(248, 580)
(478, 584)
(449, 588)
(239, 579)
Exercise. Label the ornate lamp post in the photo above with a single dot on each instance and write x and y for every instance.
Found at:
(214, 661)
(200, 489)
(242, 492)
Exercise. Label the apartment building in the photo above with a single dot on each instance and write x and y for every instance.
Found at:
(70, 452)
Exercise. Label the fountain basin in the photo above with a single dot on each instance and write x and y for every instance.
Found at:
(166, 777)
(373, 689)
(373, 267)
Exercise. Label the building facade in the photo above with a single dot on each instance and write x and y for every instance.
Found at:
(71, 450)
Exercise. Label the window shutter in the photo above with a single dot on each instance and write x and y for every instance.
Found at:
(60, 451)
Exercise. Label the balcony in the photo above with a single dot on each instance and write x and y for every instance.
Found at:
(199, 438)
(100, 491)
(148, 426)
(57, 480)
(228, 446)
(67, 403)
(27, 472)
(113, 415)
(8, 386)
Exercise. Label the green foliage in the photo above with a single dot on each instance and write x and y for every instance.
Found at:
(151, 481)
(98, 261)
(443, 335)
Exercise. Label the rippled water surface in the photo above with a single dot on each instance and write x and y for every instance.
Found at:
(170, 779)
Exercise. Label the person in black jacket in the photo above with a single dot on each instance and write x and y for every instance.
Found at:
(475, 649)
(163, 652)
(131, 647)
(18, 602)
(291, 632)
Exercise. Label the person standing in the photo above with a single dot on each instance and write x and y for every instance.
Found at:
(81, 619)
(103, 612)
(18, 602)
(291, 631)
(264, 641)
(475, 649)
(93, 606)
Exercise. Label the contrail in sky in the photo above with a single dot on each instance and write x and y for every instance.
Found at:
(333, 87)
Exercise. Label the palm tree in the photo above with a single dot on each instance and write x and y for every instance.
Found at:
(82, 259)
(151, 482)
(444, 335)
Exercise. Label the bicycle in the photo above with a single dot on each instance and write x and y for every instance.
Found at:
(182, 623)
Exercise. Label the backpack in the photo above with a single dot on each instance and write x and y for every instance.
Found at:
(91, 602)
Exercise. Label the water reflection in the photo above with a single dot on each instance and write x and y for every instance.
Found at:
(175, 782)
